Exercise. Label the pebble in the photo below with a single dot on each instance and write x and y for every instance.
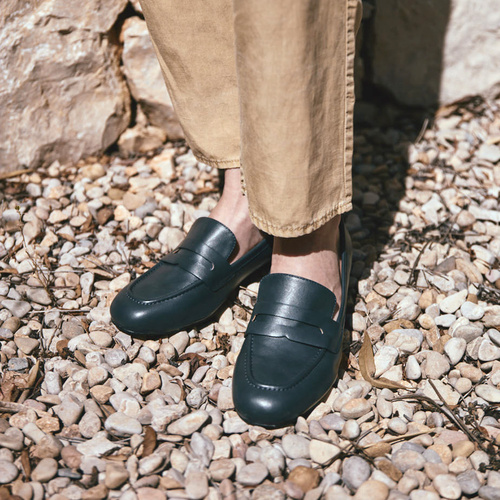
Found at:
(355, 408)
(455, 349)
(252, 474)
(322, 452)
(453, 302)
(372, 489)
(355, 471)
(489, 493)
(188, 424)
(469, 482)
(488, 393)
(196, 485)
(295, 446)
(412, 368)
(45, 470)
(408, 460)
(8, 472)
(447, 486)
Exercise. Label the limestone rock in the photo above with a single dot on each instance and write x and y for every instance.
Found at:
(77, 98)
(436, 52)
(144, 78)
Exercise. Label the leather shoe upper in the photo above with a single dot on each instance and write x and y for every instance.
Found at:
(188, 285)
(292, 351)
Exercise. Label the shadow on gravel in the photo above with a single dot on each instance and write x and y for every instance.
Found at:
(384, 130)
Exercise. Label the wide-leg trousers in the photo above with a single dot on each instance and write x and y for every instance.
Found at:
(268, 86)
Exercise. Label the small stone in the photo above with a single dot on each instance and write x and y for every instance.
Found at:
(71, 457)
(372, 489)
(469, 482)
(488, 351)
(408, 459)
(18, 308)
(295, 446)
(273, 459)
(188, 424)
(453, 302)
(386, 288)
(488, 393)
(222, 469)
(252, 474)
(435, 365)
(116, 475)
(355, 408)
(385, 358)
(267, 492)
(97, 446)
(423, 494)
(455, 349)
(26, 344)
(305, 478)
(322, 452)
(355, 471)
(489, 493)
(478, 458)
(397, 425)
(69, 411)
(351, 428)
(8, 472)
(471, 311)
(122, 425)
(89, 425)
(447, 486)
(115, 357)
(45, 470)
(12, 439)
(412, 368)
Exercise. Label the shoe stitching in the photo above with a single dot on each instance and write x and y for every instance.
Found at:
(246, 363)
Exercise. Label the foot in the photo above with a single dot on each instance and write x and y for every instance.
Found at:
(232, 211)
(314, 256)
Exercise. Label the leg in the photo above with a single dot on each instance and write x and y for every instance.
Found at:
(194, 42)
(295, 72)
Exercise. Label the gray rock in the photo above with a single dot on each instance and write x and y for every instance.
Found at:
(86, 81)
(8, 472)
(455, 349)
(188, 424)
(469, 482)
(18, 308)
(45, 470)
(18, 364)
(488, 351)
(472, 311)
(122, 425)
(145, 79)
(295, 446)
(451, 68)
(447, 486)
(274, 460)
(196, 485)
(355, 471)
(408, 459)
(203, 447)
(489, 493)
(412, 368)
(488, 393)
(252, 474)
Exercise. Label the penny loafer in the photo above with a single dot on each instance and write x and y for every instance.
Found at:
(188, 285)
(291, 354)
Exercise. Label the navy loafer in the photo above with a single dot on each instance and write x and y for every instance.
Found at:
(188, 285)
(292, 350)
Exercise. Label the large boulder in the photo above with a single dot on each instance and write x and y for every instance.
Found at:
(62, 94)
(428, 52)
(145, 79)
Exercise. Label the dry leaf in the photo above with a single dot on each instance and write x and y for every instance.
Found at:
(25, 462)
(80, 358)
(367, 367)
(149, 443)
(195, 361)
(62, 348)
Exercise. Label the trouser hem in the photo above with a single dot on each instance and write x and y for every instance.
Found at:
(292, 231)
(222, 164)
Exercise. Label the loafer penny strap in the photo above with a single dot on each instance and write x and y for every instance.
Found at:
(311, 327)
(202, 261)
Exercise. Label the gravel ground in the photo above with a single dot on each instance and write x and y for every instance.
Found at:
(89, 413)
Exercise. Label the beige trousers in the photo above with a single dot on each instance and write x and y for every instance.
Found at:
(267, 85)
